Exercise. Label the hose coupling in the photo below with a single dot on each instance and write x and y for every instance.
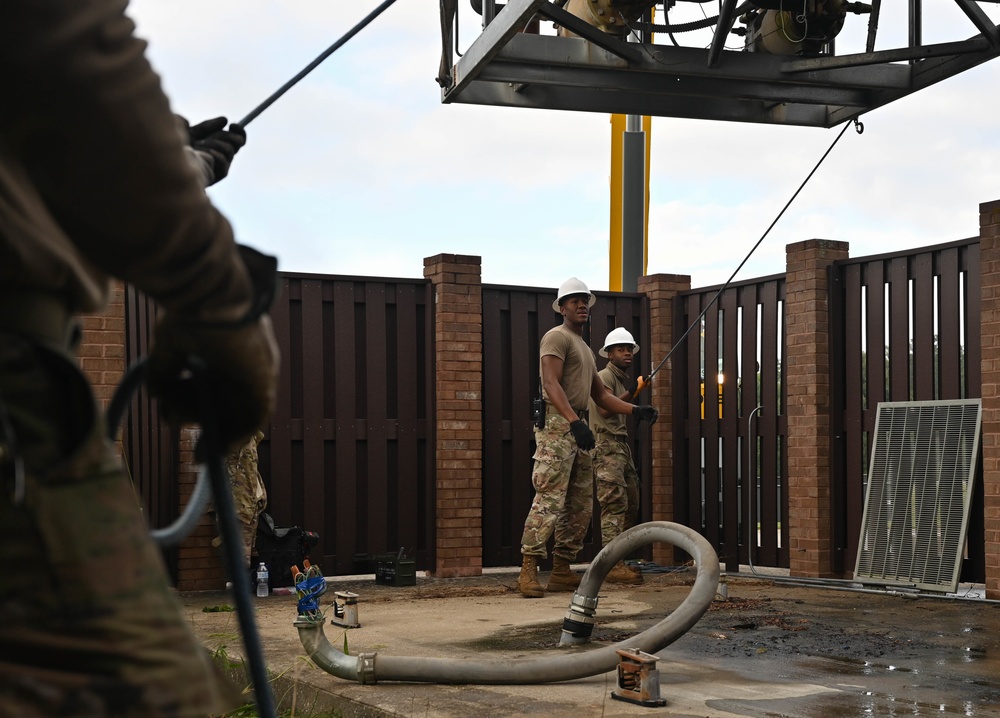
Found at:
(578, 625)
(366, 668)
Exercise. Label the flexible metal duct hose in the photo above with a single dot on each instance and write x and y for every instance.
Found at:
(370, 668)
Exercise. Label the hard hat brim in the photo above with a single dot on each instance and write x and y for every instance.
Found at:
(555, 302)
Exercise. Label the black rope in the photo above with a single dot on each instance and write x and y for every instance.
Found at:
(315, 63)
(696, 322)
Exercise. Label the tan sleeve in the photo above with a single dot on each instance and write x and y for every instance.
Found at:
(85, 115)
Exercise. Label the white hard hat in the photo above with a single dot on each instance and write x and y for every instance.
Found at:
(619, 335)
(572, 286)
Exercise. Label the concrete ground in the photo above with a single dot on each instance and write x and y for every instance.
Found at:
(765, 647)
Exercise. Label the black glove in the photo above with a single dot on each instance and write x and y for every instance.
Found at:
(636, 386)
(213, 142)
(239, 359)
(583, 435)
(645, 413)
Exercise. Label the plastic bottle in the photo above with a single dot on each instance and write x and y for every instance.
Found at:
(262, 589)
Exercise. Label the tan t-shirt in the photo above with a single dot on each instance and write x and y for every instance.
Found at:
(613, 378)
(579, 365)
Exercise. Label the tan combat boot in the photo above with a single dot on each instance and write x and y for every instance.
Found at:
(620, 573)
(562, 577)
(527, 582)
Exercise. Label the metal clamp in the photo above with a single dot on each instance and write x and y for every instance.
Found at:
(638, 679)
(345, 614)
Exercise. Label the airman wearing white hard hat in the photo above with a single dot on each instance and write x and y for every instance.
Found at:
(570, 287)
(617, 336)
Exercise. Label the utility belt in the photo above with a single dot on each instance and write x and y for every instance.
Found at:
(582, 413)
(40, 316)
(609, 436)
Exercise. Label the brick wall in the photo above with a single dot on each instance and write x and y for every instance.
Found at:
(102, 346)
(458, 356)
(199, 563)
(102, 359)
(661, 290)
(989, 250)
(807, 393)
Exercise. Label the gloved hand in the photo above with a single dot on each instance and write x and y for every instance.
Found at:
(645, 413)
(583, 435)
(216, 145)
(240, 361)
(635, 387)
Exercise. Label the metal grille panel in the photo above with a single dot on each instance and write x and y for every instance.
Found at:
(919, 491)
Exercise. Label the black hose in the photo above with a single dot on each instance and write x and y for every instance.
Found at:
(229, 528)
(177, 531)
(689, 26)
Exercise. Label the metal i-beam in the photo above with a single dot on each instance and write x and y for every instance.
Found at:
(981, 20)
(946, 49)
(495, 36)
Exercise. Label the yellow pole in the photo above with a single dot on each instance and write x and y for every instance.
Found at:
(615, 229)
(615, 236)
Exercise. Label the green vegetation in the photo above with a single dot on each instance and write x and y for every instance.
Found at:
(286, 694)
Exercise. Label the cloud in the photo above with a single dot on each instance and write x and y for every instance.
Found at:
(360, 169)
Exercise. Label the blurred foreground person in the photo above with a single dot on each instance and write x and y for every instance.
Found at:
(95, 182)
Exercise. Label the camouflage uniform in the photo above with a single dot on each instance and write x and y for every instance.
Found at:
(563, 473)
(88, 624)
(94, 183)
(614, 471)
(249, 495)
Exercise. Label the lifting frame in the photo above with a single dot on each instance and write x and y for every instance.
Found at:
(598, 72)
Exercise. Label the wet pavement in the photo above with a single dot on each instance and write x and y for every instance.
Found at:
(768, 649)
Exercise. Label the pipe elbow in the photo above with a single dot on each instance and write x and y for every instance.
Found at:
(360, 668)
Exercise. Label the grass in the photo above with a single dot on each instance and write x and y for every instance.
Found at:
(236, 670)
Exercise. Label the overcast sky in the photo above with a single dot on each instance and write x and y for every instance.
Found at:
(360, 170)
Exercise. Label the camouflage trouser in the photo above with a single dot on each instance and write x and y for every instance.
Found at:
(617, 486)
(563, 478)
(88, 623)
(249, 496)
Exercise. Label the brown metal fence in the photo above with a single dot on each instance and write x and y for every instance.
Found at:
(149, 445)
(904, 327)
(349, 451)
(514, 319)
(729, 420)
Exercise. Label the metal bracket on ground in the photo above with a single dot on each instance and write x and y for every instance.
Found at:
(345, 610)
(638, 679)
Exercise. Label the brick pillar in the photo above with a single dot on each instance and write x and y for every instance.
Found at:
(102, 346)
(458, 441)
(807, 395)
(989, 267)
(661, 289)
(200, 565)
(102, 350)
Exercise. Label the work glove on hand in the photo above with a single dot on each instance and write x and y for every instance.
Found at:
(645, 413)
(240, 362)
(216, 145)
(583, 435)
(635, 387)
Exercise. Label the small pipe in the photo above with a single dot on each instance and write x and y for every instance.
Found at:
(844, 584)
(751, 468)
(370, 668)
